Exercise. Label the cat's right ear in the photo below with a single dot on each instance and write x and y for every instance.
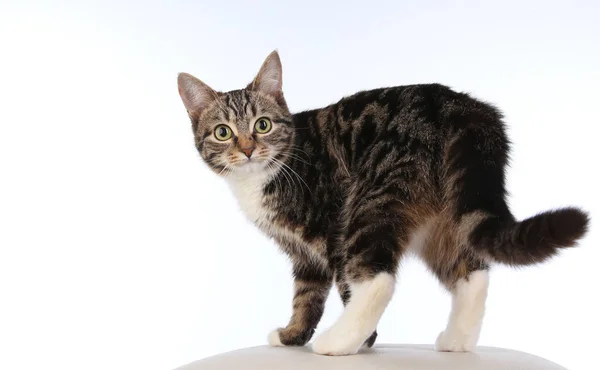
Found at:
(195, 94)
(269, 78)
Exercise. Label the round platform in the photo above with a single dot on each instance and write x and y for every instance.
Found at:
(381, 357)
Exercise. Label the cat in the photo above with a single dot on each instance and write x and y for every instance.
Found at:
(349, 189)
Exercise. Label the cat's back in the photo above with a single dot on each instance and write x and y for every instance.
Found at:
(405, 104)
(409, 124)
(434, 99)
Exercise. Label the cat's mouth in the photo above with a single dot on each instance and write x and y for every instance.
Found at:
(253, 164)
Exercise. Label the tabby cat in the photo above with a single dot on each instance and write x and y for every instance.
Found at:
(350, 189)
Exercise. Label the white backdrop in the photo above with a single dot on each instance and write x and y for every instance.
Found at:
(120, 250)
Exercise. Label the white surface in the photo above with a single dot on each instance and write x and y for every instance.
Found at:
(381, 357)
(118, 245)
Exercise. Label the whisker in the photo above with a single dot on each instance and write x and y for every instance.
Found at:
(277, 179)
(286, 174)
(288, 177)
(299, 149)
(277, 168)
(224, 169)
(296, 157)
(294, 172)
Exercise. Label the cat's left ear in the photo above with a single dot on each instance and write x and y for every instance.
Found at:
(269, 78)
(195, 94)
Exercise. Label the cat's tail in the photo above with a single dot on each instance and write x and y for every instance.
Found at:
(530, 241)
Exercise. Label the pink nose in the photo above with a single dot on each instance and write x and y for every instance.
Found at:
(248, 151)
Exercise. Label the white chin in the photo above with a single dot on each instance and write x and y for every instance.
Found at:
(253, 166)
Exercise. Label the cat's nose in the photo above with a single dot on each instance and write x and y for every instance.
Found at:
(248, 150)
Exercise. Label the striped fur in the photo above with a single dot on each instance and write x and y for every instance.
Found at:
(346, 190)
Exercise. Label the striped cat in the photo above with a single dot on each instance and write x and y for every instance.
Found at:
(348, 190)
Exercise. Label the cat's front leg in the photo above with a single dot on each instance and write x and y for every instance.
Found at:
(311, 287)
(372, 243)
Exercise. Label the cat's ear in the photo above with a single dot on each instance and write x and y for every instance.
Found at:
(195, 94)
(269, 78)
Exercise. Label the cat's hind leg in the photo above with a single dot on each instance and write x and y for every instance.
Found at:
(465, 274)
(468, 305)
(473, 190)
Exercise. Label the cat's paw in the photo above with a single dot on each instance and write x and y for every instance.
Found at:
(456, 341)
(289, 337)
(274, 339)
(334, 343)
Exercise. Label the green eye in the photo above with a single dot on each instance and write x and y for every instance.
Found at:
(222, 132)
(263, 125)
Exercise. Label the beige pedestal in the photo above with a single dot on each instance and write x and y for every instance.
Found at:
(381, 357)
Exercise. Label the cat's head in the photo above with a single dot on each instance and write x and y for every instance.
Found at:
(240, 131)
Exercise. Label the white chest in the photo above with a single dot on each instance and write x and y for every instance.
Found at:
(248, 192)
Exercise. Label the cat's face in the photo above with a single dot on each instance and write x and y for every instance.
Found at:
(241, 131)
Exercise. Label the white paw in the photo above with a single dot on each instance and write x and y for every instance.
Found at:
(334, 343)
(456, 341)
(274, 339)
